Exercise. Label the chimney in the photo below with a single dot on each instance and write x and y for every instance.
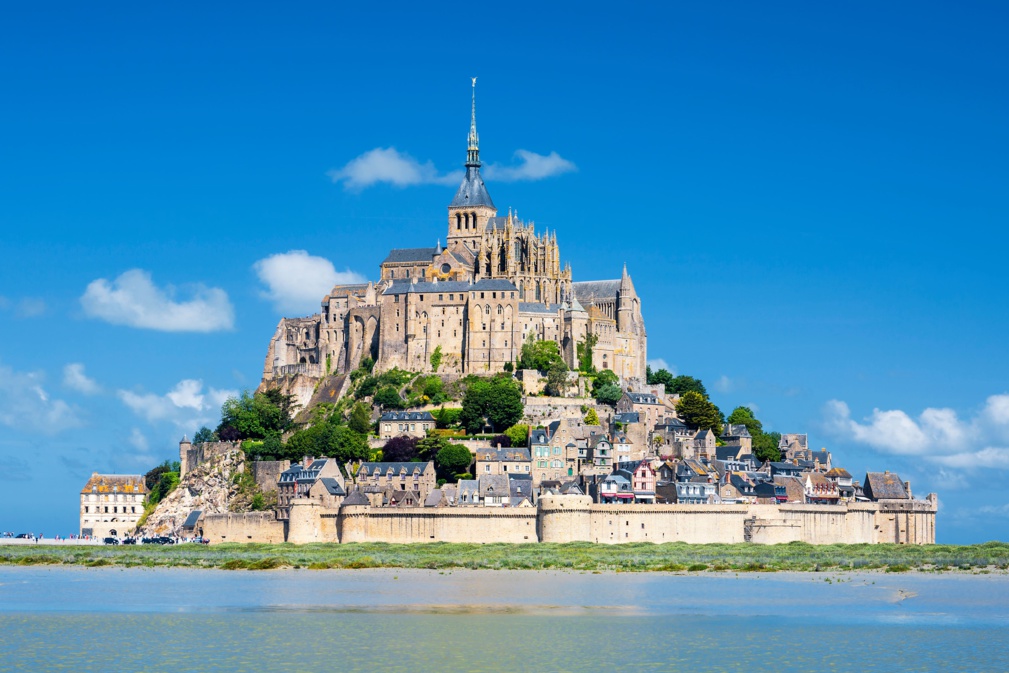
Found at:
(907, 487)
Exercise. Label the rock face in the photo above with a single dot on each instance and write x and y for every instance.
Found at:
(209, 488)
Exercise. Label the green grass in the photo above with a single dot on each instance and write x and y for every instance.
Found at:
(579, 556)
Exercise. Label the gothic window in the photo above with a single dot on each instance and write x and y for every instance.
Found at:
(499, 309)
(487, 309)
(458, 221)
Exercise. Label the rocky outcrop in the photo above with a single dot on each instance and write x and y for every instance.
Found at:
(210, 487)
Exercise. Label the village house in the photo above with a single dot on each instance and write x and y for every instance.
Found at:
(649, 408)
(317, 478)
(819, 490)
(885, 486)
(642, 478)
(382, 478)
(498, 461)
(405, 423)
(738, 436)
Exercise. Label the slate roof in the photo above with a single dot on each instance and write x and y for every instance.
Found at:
(643, 398)
(472, 191)
(536, 307)
(513, 454)
(884, 486)
(356, 498)
(726, 452)
(539, 436)
(383, 468)
(487, 284)
(736, 430)
(627, 417)
(410, 255)
(587, 290)
(672, 424)
(407, 416)
(494, 485)
(333, 486)
(193, 517)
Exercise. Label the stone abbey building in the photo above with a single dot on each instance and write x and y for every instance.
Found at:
(494, 283)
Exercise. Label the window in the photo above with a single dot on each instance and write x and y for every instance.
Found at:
(422, 297)
(451, 297)
(441, 297)
(486, 468)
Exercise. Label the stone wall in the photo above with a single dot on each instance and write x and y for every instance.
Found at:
(267, 473)
(249, 527)
(576, 519)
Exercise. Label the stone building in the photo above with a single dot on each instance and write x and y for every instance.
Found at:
(379, 480)
(514, 460)
(474, 301)
(405, 423)
(111, 504)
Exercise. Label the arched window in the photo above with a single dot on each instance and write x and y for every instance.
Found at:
(499, 309)
(458, 221)
(486, 309)
(466, 220)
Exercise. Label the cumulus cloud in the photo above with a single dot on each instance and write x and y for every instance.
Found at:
(74, 378)
(659, 363)
(936, 434)
(388, 165)
(186, 406)
(296, 281)
(134, 300)
(25, 404)
(531, 166)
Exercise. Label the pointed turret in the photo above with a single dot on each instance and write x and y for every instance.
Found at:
(472, 206)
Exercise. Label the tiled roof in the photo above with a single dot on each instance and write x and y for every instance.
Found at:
(115, 483)
(333, 486)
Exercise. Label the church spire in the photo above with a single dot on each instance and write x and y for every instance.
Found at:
(473, 149)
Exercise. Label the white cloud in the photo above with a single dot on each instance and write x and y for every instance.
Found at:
(138, 441)
(134, 300)
(997, 510)
(25, 404)
(659, 363)
(724, 384)
(531, 166)
(296, 281)
(26, 307)
(388, 165)
(937, 434)
(75, 379)
(186, 405)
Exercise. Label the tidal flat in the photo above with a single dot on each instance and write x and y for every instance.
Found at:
(184, 619)
(990, 557)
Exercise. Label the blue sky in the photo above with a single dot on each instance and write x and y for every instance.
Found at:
(811, 200)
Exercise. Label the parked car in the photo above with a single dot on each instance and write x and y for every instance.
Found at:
(130, 540)
(111, 540)
(24, 536)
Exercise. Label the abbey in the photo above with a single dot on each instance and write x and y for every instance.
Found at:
(494, 284)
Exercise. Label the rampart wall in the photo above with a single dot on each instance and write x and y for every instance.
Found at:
(248, 527)
(576, 519)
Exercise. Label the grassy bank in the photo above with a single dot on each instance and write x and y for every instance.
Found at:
(991, 556)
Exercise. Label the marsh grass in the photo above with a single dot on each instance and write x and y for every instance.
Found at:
(576, 556)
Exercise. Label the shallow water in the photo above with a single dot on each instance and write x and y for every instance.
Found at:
(411, 620)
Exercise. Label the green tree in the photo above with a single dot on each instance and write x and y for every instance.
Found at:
(540, 355)
(388, 398)
(744, 416)
(603, 378)
(452, 460)
(496, 401)
(366, 388)
(592, 418)
(256, 416)
(609, 394)
(204, 435)
(342, 444)
(446, 418)
(360, 418)
(584, 352)
(663, 377)
(557, 379)
(699, 412)
(436, 359)
(684, 384)
(765, 447)
(400, 449)
(518, 434)
(428, 447)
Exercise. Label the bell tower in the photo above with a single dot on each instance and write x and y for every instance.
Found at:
(472, 206)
